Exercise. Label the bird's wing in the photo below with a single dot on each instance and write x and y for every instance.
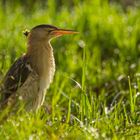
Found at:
(15, 77)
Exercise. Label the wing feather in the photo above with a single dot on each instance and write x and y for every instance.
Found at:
(15, 77)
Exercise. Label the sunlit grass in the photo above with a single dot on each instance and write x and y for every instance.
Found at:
(95, 92)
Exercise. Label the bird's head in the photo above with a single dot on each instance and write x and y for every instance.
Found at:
(47, 32)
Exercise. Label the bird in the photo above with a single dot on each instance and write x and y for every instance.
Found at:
(29, 77)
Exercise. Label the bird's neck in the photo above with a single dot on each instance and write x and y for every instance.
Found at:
(41, 57)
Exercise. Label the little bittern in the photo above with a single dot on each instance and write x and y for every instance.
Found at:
(30, 76)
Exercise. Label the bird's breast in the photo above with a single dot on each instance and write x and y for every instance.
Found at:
(47, 70)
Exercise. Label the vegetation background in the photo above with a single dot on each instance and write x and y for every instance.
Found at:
(95, 92)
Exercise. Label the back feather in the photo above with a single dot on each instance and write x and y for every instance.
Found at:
(15, 77)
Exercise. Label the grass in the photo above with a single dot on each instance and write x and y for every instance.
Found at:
(95, 92)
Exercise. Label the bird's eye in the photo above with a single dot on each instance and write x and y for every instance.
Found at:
(50, 30)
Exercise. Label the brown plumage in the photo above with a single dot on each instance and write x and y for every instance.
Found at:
(30, 76)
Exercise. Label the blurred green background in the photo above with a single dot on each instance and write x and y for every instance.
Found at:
(97, 68)
(108, 31)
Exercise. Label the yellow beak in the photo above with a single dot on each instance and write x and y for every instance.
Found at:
(63, 32)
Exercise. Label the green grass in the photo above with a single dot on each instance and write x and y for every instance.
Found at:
(95, 92)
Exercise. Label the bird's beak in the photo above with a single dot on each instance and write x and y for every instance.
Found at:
(59, 32)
